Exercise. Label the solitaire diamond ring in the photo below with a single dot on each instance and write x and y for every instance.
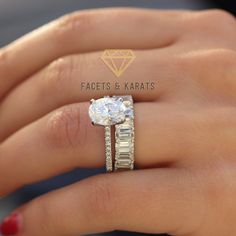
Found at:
(118, 111)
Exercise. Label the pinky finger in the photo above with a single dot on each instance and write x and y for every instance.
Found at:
(151, 201)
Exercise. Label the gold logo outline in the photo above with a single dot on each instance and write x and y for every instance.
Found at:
(110, 54)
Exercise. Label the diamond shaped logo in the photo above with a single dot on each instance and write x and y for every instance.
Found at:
(118, 60)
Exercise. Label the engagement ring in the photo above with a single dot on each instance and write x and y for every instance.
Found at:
(118, 111)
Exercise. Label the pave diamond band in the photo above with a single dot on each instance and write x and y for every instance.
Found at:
(118, 111)
(108, 148)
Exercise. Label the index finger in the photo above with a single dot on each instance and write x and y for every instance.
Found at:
(83, 32)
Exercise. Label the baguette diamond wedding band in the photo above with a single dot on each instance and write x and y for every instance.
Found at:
(118, 111)
(124, 135)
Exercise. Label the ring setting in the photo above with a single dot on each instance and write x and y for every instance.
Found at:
(116, 111)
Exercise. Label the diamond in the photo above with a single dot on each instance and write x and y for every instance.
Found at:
(118, 60)
(108, 111)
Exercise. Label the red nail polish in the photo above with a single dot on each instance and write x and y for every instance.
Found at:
(10, 225)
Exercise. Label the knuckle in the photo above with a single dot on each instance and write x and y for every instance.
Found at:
(3, 61)
(218, 62)
(220, 191)
(219, 15)
(43, 212)
(75, 19)
(64, 127)
(3, 57)
(213, 70)
(61, 76)
(217, 20)
(70, 24)
(102, 198)
(212, 22)
(122, 13)
(218, 187)
(212, 60)
(81, 23)
(225, 58)
(219, 57)
(58, 74)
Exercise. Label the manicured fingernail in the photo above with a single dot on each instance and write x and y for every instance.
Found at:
(10, 225)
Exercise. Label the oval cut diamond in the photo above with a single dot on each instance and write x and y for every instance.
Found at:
(108, 111)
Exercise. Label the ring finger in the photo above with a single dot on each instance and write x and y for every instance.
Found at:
(65, 139)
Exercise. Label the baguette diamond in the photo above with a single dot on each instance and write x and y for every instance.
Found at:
(124, 133)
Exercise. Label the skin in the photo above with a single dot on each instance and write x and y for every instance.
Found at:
(185, 129)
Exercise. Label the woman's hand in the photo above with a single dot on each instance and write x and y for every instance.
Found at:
(185, 128)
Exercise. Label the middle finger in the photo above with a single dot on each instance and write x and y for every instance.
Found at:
(79, 78)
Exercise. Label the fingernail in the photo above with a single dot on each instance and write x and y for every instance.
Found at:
(10, 225)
